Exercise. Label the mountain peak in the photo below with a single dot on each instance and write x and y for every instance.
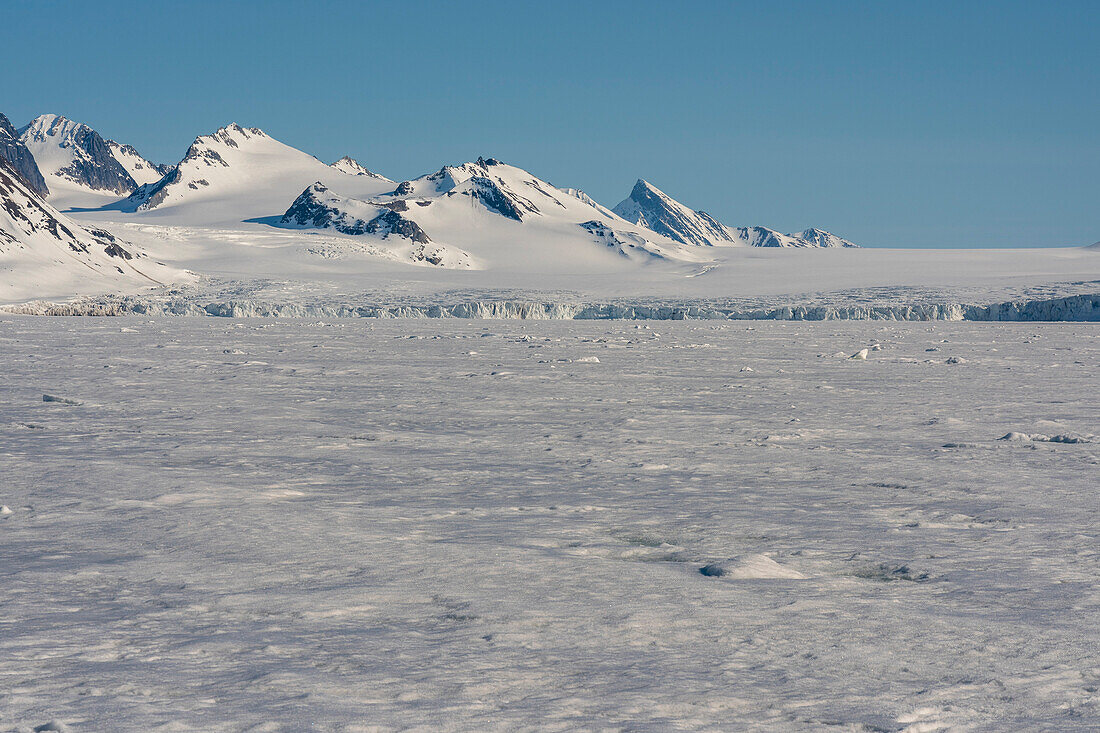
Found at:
(821, 238)
(353, 167)
(55, 126)
(652, 208)
(74, 152)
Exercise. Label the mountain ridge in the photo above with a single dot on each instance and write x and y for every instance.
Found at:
(652, 208)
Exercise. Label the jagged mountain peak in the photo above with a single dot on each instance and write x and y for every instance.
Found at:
(71, 153)
(652, 208)
(51, 125)
(233, 134)
(499, 187)
(353, 167)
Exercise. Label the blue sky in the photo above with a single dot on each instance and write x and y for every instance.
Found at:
(893, 124)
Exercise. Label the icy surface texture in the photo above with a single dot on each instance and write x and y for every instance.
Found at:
(358, 525)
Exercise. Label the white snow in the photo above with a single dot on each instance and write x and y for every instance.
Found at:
(45, 254)
(353, 167)
(557, 254)
(141, 170)
(354, 525)
(238, 174)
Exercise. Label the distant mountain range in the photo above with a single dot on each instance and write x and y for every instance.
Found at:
(239, 173)
(652, 208)
(483, 214)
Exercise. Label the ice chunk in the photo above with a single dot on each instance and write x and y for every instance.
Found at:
(60, 400)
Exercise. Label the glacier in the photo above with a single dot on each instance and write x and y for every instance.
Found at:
(1084, 307)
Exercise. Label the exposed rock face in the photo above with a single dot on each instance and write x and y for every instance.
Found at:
(22, 161)
(493, 197)
(89, 160)
(150, 195)
(390, 222)
(650, 207)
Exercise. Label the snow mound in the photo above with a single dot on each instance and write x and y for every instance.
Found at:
(750, 567)
(1042, 438)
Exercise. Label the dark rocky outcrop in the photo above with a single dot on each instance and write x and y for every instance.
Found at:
(316, 208)
(22, 161)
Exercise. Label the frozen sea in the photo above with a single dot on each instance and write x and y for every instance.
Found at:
(360, 525)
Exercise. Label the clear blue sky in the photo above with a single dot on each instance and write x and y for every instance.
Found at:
(891, 123)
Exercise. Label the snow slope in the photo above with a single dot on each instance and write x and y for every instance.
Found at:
(505, 216)
(141, 170)
(43, 253)
(304, 525)
(650, 207)
(237, 174)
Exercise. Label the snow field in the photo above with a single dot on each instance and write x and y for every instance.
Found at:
(475, 525)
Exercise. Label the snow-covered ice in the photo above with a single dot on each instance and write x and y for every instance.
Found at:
(353, 525)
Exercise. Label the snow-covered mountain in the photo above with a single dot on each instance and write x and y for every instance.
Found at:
(821, 238)
(43, 252)
(766, 237)
(72, 155)
(652, 208)
(22, 161)
(319, 208)
(240, 173)
(350, 165)
(496, 212)
(140, 169)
